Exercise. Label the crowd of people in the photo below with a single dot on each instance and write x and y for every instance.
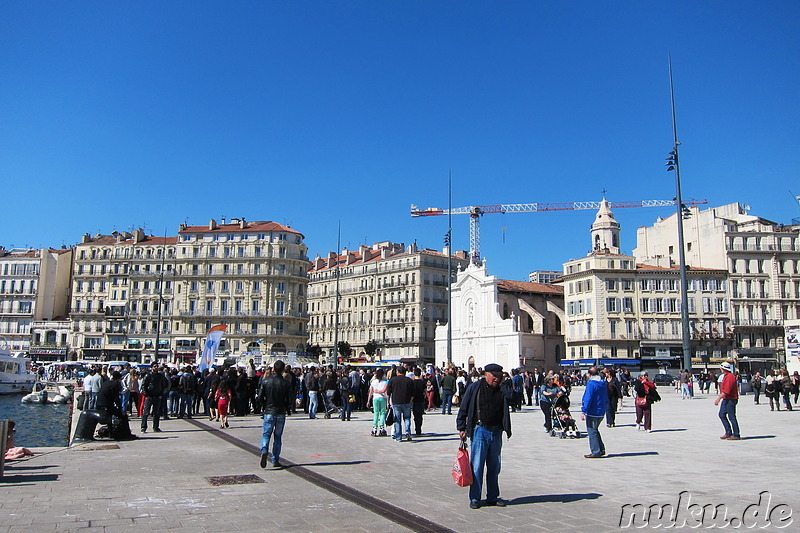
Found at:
(399, 396)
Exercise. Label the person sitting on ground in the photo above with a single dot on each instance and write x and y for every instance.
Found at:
(109, 404)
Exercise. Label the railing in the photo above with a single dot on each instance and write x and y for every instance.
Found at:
(758, 322)
(761, 248)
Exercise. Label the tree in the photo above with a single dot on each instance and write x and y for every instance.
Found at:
(344, 349)
(370, 348)
(314, 350)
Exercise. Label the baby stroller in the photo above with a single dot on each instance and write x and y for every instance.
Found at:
(563, 424)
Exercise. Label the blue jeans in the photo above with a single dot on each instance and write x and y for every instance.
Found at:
(174, 402)
(685, 391)
(485, 450)
(401, 410)
(186, 405)
(273, 425)
(727, 413)
(447, 402)
(595, 441)
(313, 400)
(125, 400)
(91, 400)
(537, 394)
(347, 407)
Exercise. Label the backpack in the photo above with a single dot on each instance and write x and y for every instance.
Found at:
(187, 383)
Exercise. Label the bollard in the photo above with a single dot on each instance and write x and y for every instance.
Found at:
(3, 439)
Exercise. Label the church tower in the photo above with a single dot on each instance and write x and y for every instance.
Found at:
(605, 230)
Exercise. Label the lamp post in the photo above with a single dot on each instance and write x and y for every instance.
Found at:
(673, 164)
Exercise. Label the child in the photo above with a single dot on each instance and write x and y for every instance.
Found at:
(223, 397)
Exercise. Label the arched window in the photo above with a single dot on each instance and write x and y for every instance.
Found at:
(505, 311)
(279, 348)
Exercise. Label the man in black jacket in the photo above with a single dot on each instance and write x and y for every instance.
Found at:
(275, 395)
(109, 403)
(483, 416)
(154, 386)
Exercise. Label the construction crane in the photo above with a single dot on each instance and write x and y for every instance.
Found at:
(476, 211)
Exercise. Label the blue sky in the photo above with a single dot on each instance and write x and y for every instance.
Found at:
(120, 114)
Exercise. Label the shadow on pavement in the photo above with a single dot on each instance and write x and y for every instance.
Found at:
(12, 466)
(557, 498)
(32, 478)
(754, 437)
(630, 454)
(667, 430)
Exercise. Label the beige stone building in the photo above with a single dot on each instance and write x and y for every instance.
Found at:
(251, 276)
(132, 292)
(390, 293)
(34, 286)
(620, 312)
(763, 261)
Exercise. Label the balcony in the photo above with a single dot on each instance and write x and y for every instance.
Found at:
(758, 322)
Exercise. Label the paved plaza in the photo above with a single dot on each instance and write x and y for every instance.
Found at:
(339, 479)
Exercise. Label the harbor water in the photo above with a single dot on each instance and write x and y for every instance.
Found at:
(37, 425)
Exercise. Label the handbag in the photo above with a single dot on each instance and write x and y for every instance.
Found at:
(390, 417)
(641, 402)
(462, 470)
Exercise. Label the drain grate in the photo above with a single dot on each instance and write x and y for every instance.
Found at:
(234, 480)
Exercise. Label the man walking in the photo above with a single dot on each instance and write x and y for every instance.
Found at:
(483, 417)
(91, 386)
(312, 387)
(538, 382)
(401, 390)
(756, 383)
(729, 396)
(154, 386)
(276, 397)
(418, 398)
(448, 390)
(593, 409)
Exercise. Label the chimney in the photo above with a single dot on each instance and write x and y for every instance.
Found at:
(332, 259)
(384, 253)
(364, 251)
(242, 223)
(319, 263)
(85, 238)
(138, 235)
(212, 224)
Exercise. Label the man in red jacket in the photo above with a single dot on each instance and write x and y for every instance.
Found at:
(729, 396)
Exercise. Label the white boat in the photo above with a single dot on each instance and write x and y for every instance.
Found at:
(48, 393)
(15, 373)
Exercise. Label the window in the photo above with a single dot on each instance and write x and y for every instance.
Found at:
(281, 288)
(612, 305)
(280, 308)
(627, 305)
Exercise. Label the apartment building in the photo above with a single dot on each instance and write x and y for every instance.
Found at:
(252, 276)
(34, 286)
(512, 323)
(620, 312)
(544, 276)
(763, 261)
(388, 293)
(139, 298)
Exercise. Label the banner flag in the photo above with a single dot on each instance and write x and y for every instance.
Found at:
(211, 346)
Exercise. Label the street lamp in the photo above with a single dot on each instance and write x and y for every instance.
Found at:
(673, 164)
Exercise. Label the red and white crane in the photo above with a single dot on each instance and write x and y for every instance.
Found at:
(476, 211)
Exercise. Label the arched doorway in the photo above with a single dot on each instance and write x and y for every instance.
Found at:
(470, 364)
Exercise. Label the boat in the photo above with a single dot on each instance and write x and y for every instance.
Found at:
(15, 373)
(48, 392)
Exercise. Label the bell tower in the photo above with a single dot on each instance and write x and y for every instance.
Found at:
(605, 230)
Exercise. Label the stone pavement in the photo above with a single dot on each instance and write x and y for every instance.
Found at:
(341, 479)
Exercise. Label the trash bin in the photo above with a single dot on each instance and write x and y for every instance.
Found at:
(746, 384)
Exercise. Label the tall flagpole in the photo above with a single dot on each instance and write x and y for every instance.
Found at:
(336, 298)
(450, 269)
(673, 163)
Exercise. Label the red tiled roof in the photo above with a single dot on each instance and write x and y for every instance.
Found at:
(528, 286)
(149, 239)
(260, 225)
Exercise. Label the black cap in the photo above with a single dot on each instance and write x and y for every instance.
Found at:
(493, 368)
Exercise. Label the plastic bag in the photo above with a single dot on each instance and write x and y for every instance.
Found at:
(462, 470)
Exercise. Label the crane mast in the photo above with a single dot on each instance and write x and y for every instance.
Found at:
(476, 211)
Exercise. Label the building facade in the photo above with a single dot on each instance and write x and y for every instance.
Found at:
(763, 261)
(620, 312)
(34, 286)
(141, 298)
(511, 323)
(388, 293)
(544, 276)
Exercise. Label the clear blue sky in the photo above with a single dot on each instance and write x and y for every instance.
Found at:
(119, 114)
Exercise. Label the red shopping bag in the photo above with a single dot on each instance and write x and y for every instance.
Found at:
(462, 470)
